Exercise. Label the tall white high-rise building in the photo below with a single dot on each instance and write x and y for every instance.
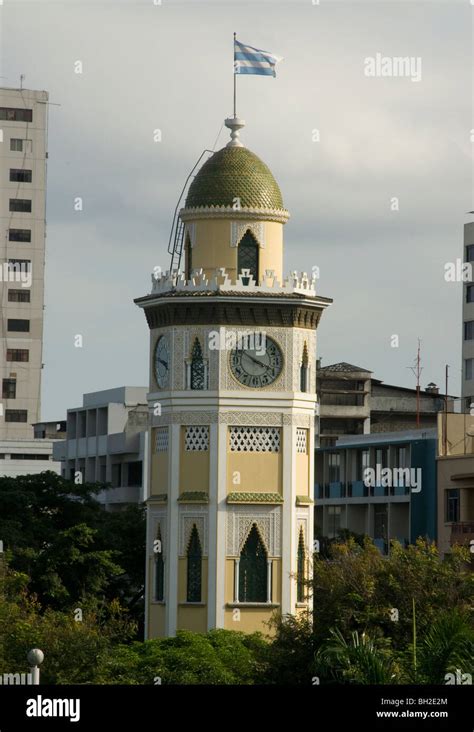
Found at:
(468, 324)
(23, 150)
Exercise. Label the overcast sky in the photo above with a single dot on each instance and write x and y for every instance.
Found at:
(169, 67)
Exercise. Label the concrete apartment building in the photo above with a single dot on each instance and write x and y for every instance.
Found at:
(107, 442)
(400, 510)
(23, 150)
(352, 402)
(468, 324)
(455, 468)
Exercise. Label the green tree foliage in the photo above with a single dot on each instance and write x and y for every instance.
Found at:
(57, 534)
(362, 625)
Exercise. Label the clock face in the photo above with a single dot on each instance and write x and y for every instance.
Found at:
(259, 367)
(162, 362)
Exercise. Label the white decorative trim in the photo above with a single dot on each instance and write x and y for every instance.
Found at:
(239, 228)
(188, 516)
(220, 282)
(240, 520)
(246, 419)
(279, 215)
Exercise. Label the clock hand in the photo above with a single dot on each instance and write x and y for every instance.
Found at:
(255, 360)
(165, 364)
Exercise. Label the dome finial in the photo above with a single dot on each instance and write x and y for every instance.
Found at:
(234, 124)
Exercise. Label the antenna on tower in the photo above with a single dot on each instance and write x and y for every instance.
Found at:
(417, 369)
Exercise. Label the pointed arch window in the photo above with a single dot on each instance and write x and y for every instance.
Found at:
(197, 368)
(304, 370)
(253, 569)
(194, 570)
(247, 256)
(188, 254)
(301, 562)
(159, 568)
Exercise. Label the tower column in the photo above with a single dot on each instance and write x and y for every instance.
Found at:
(288, 534)
(173, 532)
(221, 507)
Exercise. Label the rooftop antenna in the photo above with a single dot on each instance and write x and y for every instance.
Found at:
(417, 369)
(22, 79)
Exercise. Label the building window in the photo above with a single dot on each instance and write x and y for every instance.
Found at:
(18, 325)
(381, 457)
(194, 574)
(20, 355)
(16, 145)
(23, 205)
(363, 462)
(468, 368)
(253, 568)
(469, 330)
(402, 457)
(19, 295)
(452, 505)
(159, 568)
(334, 465)
(11, 114)
(334, 521)
(301, 561)
(19, 175)
(304, 385)
(470, 253)
(135, 475)
(16, 415)
(19, 265)
(9, 389)
(247, 257)
(197, 379)
(188, 252)
(19, 235)
(470, 293)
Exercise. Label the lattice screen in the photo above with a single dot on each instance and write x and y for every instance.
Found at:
(301, 440)
(161, 439)
(254, 439)
(196, 438)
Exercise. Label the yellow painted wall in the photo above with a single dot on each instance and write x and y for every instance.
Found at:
(251, 619)
(159, 468)
(302, 474)
(260, 472)
(193, 469)
(212, 248)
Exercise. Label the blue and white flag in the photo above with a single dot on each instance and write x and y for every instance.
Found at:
(250, 60)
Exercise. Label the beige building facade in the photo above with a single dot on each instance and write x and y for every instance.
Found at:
(455, 467)
(232, 405)
(23, 149)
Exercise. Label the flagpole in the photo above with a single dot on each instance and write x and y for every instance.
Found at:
(235, 80)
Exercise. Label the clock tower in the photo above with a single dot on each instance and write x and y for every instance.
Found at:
(232, 402)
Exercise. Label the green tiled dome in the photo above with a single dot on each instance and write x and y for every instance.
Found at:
(234, 172)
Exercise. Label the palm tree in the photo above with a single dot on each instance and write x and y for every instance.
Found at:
(359, 661)
(446, 646)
